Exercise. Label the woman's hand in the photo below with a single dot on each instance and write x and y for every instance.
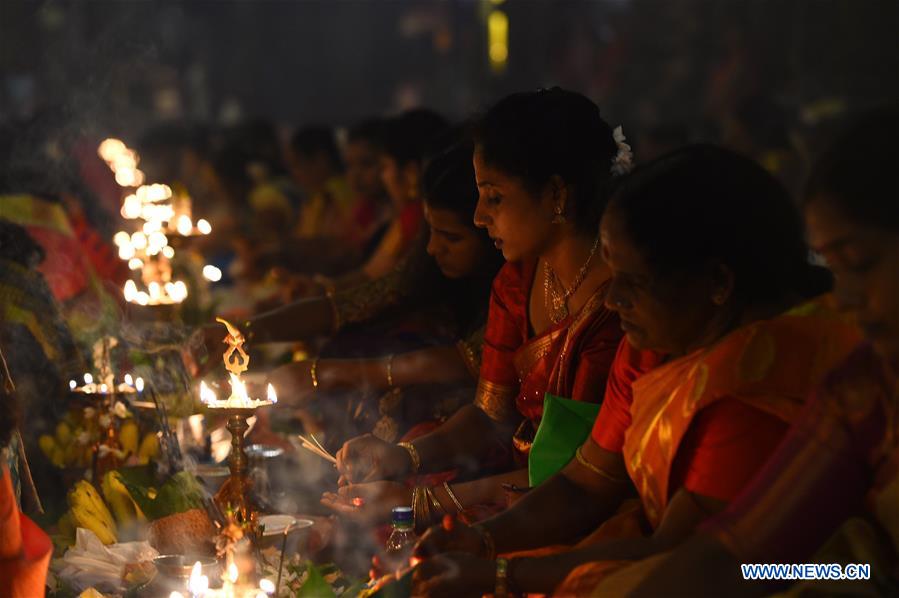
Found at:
(454, 574)
(367, 458)
(293, 383)
(369, 503)
(450, 536)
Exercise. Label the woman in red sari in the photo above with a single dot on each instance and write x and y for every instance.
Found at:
(541, 160)
(740, 347)
(842, 455)
(25, 550)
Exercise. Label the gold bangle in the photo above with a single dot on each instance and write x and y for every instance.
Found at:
(313, 373)
(434, 501)
(453, 497)
(390, 370)
(598, 471)
(413, 454)
(487, 539)
(421, 509)
(502, 582)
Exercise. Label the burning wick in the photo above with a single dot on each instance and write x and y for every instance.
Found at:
(129, 380)
(73, 385)
(88, 379)
(358, 502)
(271, 395)
(139, 384)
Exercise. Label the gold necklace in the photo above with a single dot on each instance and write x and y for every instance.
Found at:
(556, 303)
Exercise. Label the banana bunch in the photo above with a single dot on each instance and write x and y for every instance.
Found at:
(68, 448)
(124, 508)
(90, 512)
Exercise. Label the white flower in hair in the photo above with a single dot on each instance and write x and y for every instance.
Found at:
(623, 162)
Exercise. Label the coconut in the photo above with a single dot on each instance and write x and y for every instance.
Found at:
(190, 532)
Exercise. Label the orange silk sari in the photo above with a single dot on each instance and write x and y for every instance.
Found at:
(770, 365)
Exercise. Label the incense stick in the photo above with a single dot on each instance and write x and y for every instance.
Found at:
(325, 456)
(306, 444)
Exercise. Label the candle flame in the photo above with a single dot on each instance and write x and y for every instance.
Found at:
(232, 573)
(203, 226)
(139, 384)
(73, 385)
(270, 394)
(267, 586)
(88, 379)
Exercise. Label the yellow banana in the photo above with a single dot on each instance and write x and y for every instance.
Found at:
(47, 444)
(59, 457)
(128, 436)
(149, 448)
(63, 434)
(119, 499)
(90, 512)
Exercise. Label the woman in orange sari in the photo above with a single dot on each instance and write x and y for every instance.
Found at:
(692, 282)
(541, 160)
(842, 454)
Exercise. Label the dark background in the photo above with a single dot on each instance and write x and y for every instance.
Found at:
(118, 67)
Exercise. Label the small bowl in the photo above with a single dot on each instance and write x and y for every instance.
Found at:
(274, 531)
(264, 451)
(180, 566)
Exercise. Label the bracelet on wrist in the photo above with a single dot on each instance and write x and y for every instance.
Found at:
(413, 455)
(453, 497)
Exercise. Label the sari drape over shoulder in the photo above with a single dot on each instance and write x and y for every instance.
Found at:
(845, 446)
(570, 359)
(709, 421)
(770, 365)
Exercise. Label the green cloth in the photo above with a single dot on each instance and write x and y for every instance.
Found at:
(564, 427)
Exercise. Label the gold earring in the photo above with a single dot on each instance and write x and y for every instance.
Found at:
(559, 218)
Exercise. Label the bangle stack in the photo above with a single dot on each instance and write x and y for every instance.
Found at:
(413, 455)
(425, 508)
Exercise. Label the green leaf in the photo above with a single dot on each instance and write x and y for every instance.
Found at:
(315, 586)
(180, 493)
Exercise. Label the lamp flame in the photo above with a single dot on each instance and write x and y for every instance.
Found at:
(207, 395)
(198, 583)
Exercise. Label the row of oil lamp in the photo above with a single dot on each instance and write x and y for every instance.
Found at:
(148, 249)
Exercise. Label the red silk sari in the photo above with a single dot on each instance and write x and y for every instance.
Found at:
(570, 359)
(25, 550)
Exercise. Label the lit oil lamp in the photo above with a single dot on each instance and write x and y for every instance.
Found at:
(235, 493)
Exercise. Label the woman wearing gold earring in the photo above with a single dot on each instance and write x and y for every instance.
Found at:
(542, 163)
